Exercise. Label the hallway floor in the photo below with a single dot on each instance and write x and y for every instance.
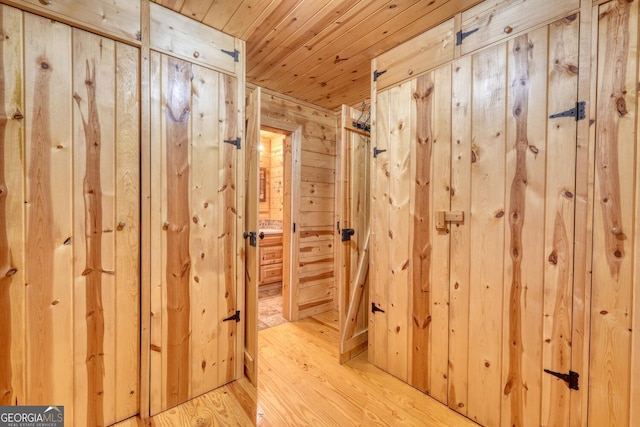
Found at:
(301, 383)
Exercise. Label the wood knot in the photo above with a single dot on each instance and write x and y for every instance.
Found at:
(120, 225)
(621, 106)
(508, 30)
(534, 149)
(11, 272)
(618, 253)
(165, 226)
(44, 65)
(553, 258)
(568, 194)
(499, 214)
(196, 54)
(18, 116)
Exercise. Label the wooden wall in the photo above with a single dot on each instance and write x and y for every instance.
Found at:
(272, 159)
(614, 373)
(316, 286)
(543, 271)
(265, 162)
(69, 222)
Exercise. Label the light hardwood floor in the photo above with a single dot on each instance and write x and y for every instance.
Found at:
(302, 384)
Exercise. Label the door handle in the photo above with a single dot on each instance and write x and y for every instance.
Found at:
(253, 241)
(445, 217)
(261, 235)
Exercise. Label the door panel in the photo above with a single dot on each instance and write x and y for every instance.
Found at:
(193, 230)
(252, 185)
(71, 229)
(354, 276)
(614, 343)
(488, 296)
(413, 122)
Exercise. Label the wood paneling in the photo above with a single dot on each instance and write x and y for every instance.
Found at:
(317, 187)
(353, 286)
(489, 22)
(251, 281)
(12, 226)
(194, 282)
(615, 236)
(489, 313)
(118, 19)
(70, 179)
(317, 51)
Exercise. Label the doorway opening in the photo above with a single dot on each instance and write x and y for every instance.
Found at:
(272, 224)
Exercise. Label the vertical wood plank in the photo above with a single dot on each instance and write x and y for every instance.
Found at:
(459, 320)
(441, 201)
(156, 353)
(204, 217)
(421, 187)
(227, 226)
(49, 242)
(12, 225)
(584, 179)
(524, 269)
(145, 211)
(379, 233)
(487, 234)
(94, 251)
(239, 168)
(177, 114)
(611, 318)
(127, 226)
(559, 217)
(252, 197)
(398, 232)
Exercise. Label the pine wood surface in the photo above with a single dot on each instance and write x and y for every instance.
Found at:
(302, 383)
(193, 231)
(614, 292)
(309, 175)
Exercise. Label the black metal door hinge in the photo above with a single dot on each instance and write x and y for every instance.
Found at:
(252, 235)
(461, 36)
(572, 378)
(578, 112)
(362, 126)
(235, 54)
(374, 308)
(236, 142)
(235, 317)
(377, 74)
(347, 233)
(294, 227)
(376, 152)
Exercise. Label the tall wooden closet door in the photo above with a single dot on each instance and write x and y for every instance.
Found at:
(615, 303)
(193, 331)
(408, 328)
(511, 278)
(70, 220)
(355, 149)
(105, 228)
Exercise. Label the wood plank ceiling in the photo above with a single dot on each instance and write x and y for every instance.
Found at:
(318, 51)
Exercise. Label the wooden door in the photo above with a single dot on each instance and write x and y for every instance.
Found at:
(614, 396)
(252, 203)
(489, 298)
(409, 268)
(353, 294)
(193, 347)
(511, 303)
(70, 220)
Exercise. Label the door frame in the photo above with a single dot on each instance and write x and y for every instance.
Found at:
(290, 238)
